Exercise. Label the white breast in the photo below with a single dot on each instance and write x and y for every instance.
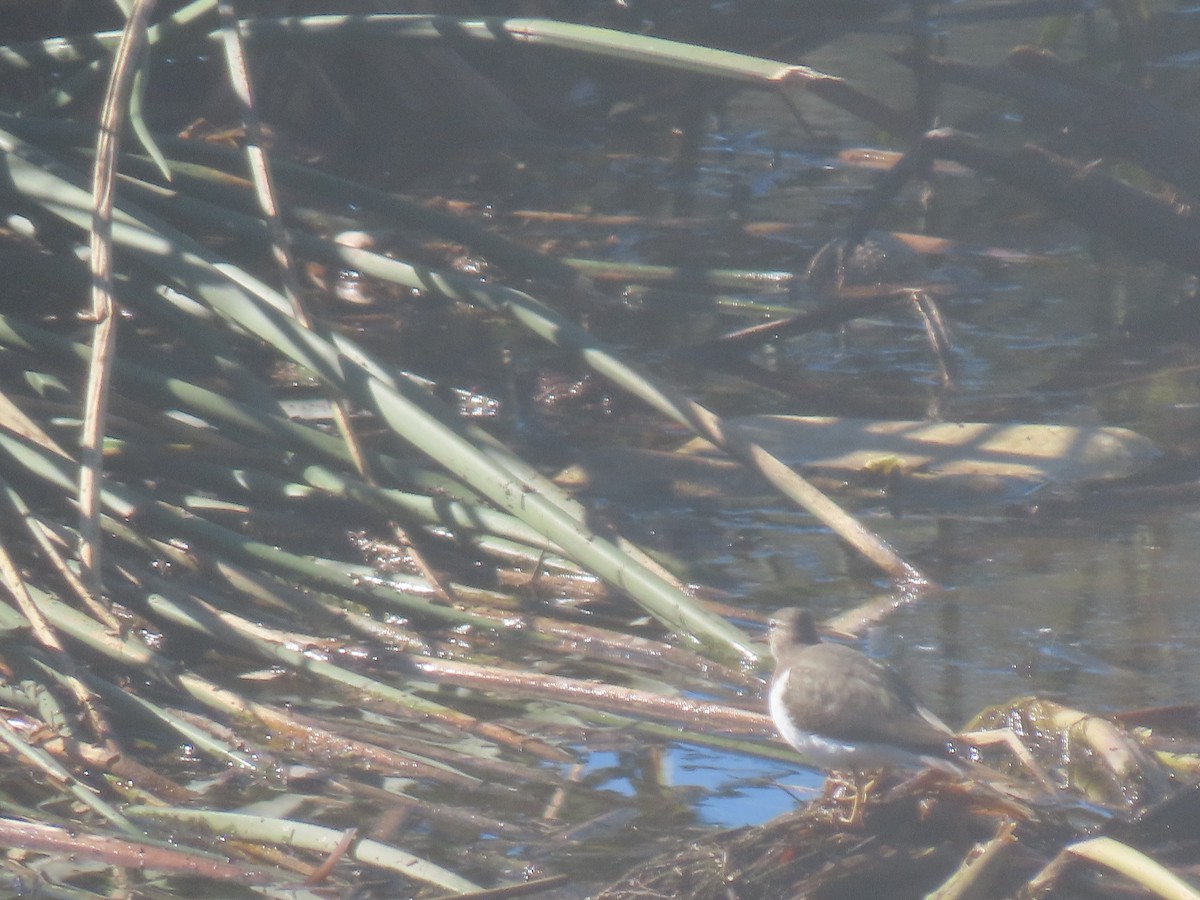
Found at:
(832, 754)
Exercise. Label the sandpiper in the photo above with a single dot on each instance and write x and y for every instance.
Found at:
(844, 711)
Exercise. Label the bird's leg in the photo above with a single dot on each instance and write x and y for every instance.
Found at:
(864, 783)
(833, 797)
(860, 785)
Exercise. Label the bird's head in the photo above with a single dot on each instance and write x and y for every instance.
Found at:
(789, 627)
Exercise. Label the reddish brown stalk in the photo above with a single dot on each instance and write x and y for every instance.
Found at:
(697, 714)
(122, 853)
(321, 872)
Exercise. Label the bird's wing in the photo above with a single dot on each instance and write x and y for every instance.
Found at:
(838, 692)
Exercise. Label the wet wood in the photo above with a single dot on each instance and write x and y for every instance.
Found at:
(697, 714)
(1103, 112)
(136, 855)
(1156, 225)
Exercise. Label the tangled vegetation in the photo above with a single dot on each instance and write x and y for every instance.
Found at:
(292, 600)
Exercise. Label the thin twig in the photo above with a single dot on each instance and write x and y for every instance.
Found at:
(103, 307)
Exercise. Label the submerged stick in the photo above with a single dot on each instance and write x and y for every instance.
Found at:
(1155, 225)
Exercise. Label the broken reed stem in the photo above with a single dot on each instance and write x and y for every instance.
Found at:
(131, 854)
(102, 313)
